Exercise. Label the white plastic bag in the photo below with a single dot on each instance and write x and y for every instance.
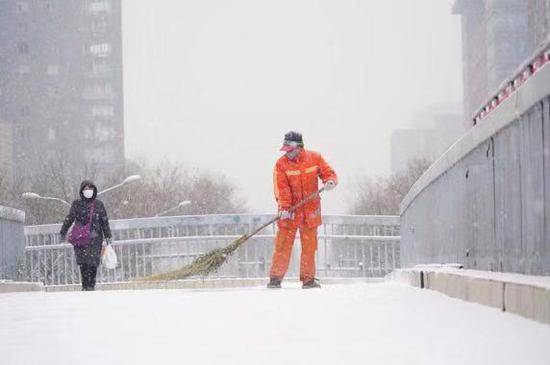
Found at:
(108, 257)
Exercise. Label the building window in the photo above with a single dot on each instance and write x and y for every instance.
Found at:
(23, 26)
(24, 69)
(100, 66)
(104, 134)
(100, 24)
(100, 69)
(99, 91)
(99, 6)
(22, 7)
(47, 5)
(100, 50)
(23, 48)
(103, 111)
(52, 70)
(53, 91)
(24, 111)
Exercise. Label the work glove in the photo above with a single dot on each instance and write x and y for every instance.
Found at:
(329, 185)
(285, 214)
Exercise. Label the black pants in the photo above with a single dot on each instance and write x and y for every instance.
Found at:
(88, 273)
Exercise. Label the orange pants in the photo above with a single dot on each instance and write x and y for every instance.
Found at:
(283, 249)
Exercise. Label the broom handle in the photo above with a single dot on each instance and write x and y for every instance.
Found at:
(292, 209)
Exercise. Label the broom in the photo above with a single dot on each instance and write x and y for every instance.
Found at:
(211, 261)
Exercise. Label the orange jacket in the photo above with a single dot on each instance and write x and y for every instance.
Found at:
(294, 180)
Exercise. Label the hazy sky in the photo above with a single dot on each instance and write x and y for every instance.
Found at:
(216, 83)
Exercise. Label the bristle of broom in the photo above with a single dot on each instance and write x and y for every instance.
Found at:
(203, 265)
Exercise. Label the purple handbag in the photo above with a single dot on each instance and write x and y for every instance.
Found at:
(80, 234)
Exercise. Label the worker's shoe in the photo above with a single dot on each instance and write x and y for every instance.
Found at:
(274, 283)
(313, 283)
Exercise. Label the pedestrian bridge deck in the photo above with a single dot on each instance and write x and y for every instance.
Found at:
(376, 323)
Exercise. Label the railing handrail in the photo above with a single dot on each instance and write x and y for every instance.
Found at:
(140, 241)
(513, 83)
(508, 111)
(340, 253)
(210, 219)
(12, 214)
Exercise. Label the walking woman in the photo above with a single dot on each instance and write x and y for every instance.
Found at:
(87, 211)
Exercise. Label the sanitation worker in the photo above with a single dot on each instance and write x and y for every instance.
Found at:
(296, 176)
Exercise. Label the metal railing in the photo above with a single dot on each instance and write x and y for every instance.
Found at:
(539, 59)
(349, 246)
(218, 224)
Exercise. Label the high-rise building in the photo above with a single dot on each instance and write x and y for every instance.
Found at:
(495, 41)
(435, 129)
(539, 21)
(61, 81)
(6, 157)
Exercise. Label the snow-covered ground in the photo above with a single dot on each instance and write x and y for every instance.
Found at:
(377, 323)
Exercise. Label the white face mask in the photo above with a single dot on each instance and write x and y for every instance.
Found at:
(88, 193)
(292, 154)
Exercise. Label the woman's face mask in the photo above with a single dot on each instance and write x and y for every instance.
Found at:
(88, 193)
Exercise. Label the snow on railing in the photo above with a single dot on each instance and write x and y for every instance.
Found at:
(540, 59)
(219, 224)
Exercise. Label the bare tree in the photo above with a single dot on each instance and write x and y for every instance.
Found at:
(57, 178)
(162, 187)
(382, 196)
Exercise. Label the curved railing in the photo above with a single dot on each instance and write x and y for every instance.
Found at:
(348, 246)
(485, 203)
(508, 87)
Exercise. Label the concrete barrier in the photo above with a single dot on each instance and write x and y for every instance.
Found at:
(16, 286)
(451, 285)
(528, 301)
(486, 291)
(408, 277)
(527, 296)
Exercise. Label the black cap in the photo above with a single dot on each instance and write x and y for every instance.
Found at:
(294, 137)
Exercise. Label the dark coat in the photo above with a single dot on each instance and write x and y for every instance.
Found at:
(80, 212)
